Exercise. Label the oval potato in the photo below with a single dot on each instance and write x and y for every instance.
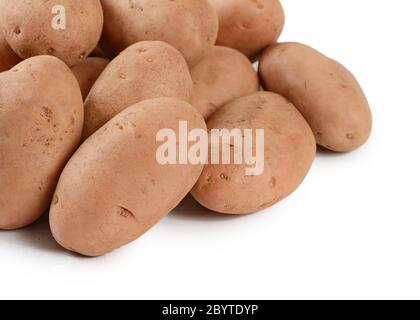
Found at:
(8, 58)
(188, 25)
(289, 150)
(41, 120)
(113, 189)
(87, 72)
(222, 76)
(324, 91)
(145, 70)
(249, 25)
(28, 27)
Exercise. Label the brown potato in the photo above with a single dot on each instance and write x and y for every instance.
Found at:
(289, 150)
(249, 25)
(188, 25)
(222, 76)
(34, 28)
(87, 72)
(145, 70)
(8, 58)
(41, 119)
(113, 189)
(325, 92)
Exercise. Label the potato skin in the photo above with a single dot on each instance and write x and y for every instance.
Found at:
(324, 91)
(8, 58)
(41, 119)
(87, 72)
(145, 70)
(222, 76)
(189, 25)
(289, 152)
(28, 28)
(249, 25)
(113, 189)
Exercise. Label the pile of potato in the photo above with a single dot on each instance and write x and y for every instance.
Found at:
(80, 107)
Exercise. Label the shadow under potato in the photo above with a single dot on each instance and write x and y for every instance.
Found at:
(190, 209)
(37, 235)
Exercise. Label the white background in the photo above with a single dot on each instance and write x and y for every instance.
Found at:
(351, 231)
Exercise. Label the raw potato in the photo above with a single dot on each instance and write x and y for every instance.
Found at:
(113, 189)
(189, 25)
(87, 72)
(28, 27)
(8, 58)
(41, 119)
(222, 76)
(145, 70)
(324, 91)
(249, 25)
(289, 152)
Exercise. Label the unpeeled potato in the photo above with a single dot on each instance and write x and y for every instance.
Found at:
(222, 76)
(188, 25)
(113, 189)
(41, 119)
(288, 152)
(145, 70)
(31, 29)
(249, 25)
(324, 91)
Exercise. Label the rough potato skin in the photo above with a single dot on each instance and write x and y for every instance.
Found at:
(145, 70)
(222, 76)
(87, 72)
(249, 25)
(289, 152)
(113, 189)
(324, 91)
(189, 25)
(27, 26)
(8, 58)
(41, 119)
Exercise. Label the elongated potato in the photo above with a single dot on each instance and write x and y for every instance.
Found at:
(87, 72)
(145, 70)
(8, 58)
(249, 25)
(324, 91)
(288, 152)
(41, 119)
(189, 25)
(113, 189)
(67, 29)
(222, 76)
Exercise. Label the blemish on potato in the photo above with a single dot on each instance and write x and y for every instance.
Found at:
(273, 182)
(224, 176)
(125, 213)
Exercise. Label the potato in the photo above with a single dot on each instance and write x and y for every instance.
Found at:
(188, 25)
(87, 72)
(8, 58)
(145, 70)
(324, 91)
(41, 120)
(289, 150)
(113, 189)
(67, 29)
(249, 25)
(222, 76)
